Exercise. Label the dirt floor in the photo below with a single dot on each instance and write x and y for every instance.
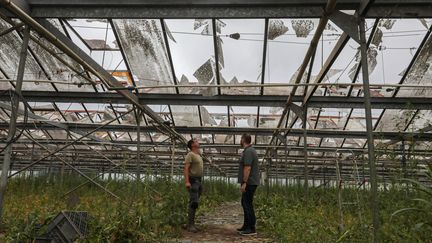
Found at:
(220, 226)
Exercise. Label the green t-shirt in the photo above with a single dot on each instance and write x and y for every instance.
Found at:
(196, 164)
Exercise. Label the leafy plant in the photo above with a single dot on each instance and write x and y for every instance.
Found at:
(423, 203)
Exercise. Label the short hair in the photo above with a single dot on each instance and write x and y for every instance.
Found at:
(246, 138)
(190, 143)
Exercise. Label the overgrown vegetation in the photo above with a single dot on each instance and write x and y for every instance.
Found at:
(155, 210)
(405, 213)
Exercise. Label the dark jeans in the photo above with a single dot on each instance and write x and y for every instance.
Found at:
(248, 209)
(195, 191)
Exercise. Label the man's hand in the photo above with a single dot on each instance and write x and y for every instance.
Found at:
(243, 187)
(188, 185)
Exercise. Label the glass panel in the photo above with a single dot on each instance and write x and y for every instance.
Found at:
(110, 60)
(391, 51)
(331, 142)
(144, 47)
(288, 41)
(217, 116)
(400, 39)
(395, 120)
(325, 46)
(162, 110)
(241, 59)
(357, 121)
(214, 115)
(422, 120)
(65, 78)
(354, 143)
(203, 138)
(96, 33)
(260, 139)
(243, 116)
(345, 66)
(192, 51)
(158, 137)
(420, 73)
(185, 115)
(10, 48)
(269, 116)
(332, 118)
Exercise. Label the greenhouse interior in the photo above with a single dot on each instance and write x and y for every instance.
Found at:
(101, 101)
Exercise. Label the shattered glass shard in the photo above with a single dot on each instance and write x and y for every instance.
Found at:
(200, 22)
(276, 29)
(205, 73)
(387, 23)
(302, 27)
(377, 38)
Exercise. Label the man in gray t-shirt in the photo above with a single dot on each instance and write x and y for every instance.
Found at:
(249, 179)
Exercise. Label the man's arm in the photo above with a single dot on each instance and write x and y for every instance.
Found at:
(186, 171)
(247, 163)
(246, 172)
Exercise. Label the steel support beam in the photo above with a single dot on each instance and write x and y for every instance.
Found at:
(226, 100)
(97, 128)
(419, 136)
(15, 101)
(216, 9)
(369, 129)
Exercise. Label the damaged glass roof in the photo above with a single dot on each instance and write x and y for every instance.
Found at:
(235, 58)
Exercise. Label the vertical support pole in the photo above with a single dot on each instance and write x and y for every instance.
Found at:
(172, 158)
(403, 159)
(339, 188)
(138, 121)
(14, 114)
(369, 128)
(216, 55)
(305, 153)
(325, 176)
(267, 177)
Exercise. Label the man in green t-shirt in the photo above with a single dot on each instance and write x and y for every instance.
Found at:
(193, 172)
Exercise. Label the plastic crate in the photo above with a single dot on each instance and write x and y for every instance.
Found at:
(67, 226)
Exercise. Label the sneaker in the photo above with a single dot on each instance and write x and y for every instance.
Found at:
(192, 228)
(248, 232)
(241, 229)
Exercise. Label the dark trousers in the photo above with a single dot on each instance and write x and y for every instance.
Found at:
(195, 191)
(248, 209)
(194, 195)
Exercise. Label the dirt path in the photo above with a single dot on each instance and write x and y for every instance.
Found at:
(220, 226)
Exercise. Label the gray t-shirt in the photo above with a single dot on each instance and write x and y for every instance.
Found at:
(249, 157)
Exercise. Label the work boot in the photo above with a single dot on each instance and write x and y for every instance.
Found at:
(192, 228)
(241, 228)
(191, 221)
(248, 232)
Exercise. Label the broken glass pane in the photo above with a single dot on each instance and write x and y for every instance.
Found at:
(241, 46)
(193, 54)
(144, 47)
